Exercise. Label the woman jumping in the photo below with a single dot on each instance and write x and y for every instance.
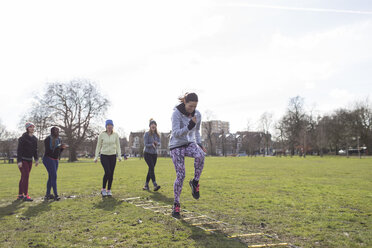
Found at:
(152, 142)
(108, 148)
(185, 141)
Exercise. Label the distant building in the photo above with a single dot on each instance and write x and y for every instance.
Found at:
(136, 144)
(214, 126)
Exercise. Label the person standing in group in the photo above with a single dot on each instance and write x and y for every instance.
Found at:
(53, 149)
(152, 142)
(27, 149)
(185, 141)
(108, 148)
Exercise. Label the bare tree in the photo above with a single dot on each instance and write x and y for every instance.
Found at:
(73, 107)
(265, 121)
(293, 121)
(2, 130)
(207, 132)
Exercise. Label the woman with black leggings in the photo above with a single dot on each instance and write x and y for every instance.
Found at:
(108, 148)
(152, 141)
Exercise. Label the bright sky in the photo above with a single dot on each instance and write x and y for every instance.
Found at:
(241, 57)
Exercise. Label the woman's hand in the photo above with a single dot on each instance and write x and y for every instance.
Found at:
(95, 160)
(64, 146)
(36, 163)
(204, 150)
(20, 165)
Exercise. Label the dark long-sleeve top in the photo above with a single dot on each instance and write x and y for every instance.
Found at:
(27, 148)
(51, 151)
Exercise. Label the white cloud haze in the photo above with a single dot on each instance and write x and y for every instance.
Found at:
(241, 58)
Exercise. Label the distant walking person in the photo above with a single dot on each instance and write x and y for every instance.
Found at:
(185, 141)
(53, 149)
(152, 142)
(27, 149)
(108, 148)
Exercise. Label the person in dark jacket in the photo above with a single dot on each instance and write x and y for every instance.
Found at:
(27, 149)
(53, 150)
(152, 142)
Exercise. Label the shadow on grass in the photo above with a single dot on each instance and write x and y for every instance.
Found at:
(10, 209)
(212, 240)
(41, 207)
(201, 237)
(157, 196)
(108, 203)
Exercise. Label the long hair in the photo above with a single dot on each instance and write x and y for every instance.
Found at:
(156, 129)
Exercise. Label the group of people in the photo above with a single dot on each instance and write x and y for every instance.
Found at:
(185, 141)
(27, 149)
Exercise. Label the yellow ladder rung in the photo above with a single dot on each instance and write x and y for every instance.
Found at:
(156, 207)
(267, 245)
(245, 235)
(206, 223)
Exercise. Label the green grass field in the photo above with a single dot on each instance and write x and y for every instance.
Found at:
(312, 202)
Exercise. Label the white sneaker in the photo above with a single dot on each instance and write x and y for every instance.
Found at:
(108, 193)
(103, 192)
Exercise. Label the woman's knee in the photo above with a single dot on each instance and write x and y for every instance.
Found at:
(181, 176)
(200, 156)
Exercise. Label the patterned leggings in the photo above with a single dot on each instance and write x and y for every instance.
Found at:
(178, 158)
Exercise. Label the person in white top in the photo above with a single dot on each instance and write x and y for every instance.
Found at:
(108, 148)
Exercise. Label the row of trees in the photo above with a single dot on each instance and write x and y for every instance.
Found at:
(298, 131)
(302, 132)
(75, 107)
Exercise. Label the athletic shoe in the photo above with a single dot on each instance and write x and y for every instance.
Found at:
(157, 188)
(27, 198)
(20, 197)
(57, 198)
(176, 210)
(194, 188)
(108, 193)
(146, 187)
(103, 192)
(48, 197)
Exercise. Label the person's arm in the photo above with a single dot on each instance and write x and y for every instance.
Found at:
(197, 131)
(36, 156)
(98, 147)
(146, 140)
(19, 151)
(61, 147)
(118, 148)
(47, 145)
(176, 130)
(158, 140)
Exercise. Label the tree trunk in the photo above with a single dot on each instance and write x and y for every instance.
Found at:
(72, 154)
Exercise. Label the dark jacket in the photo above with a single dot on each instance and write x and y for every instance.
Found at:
(27, 148)
(51, 151)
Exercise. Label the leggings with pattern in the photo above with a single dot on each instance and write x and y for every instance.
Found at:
(178, 158)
